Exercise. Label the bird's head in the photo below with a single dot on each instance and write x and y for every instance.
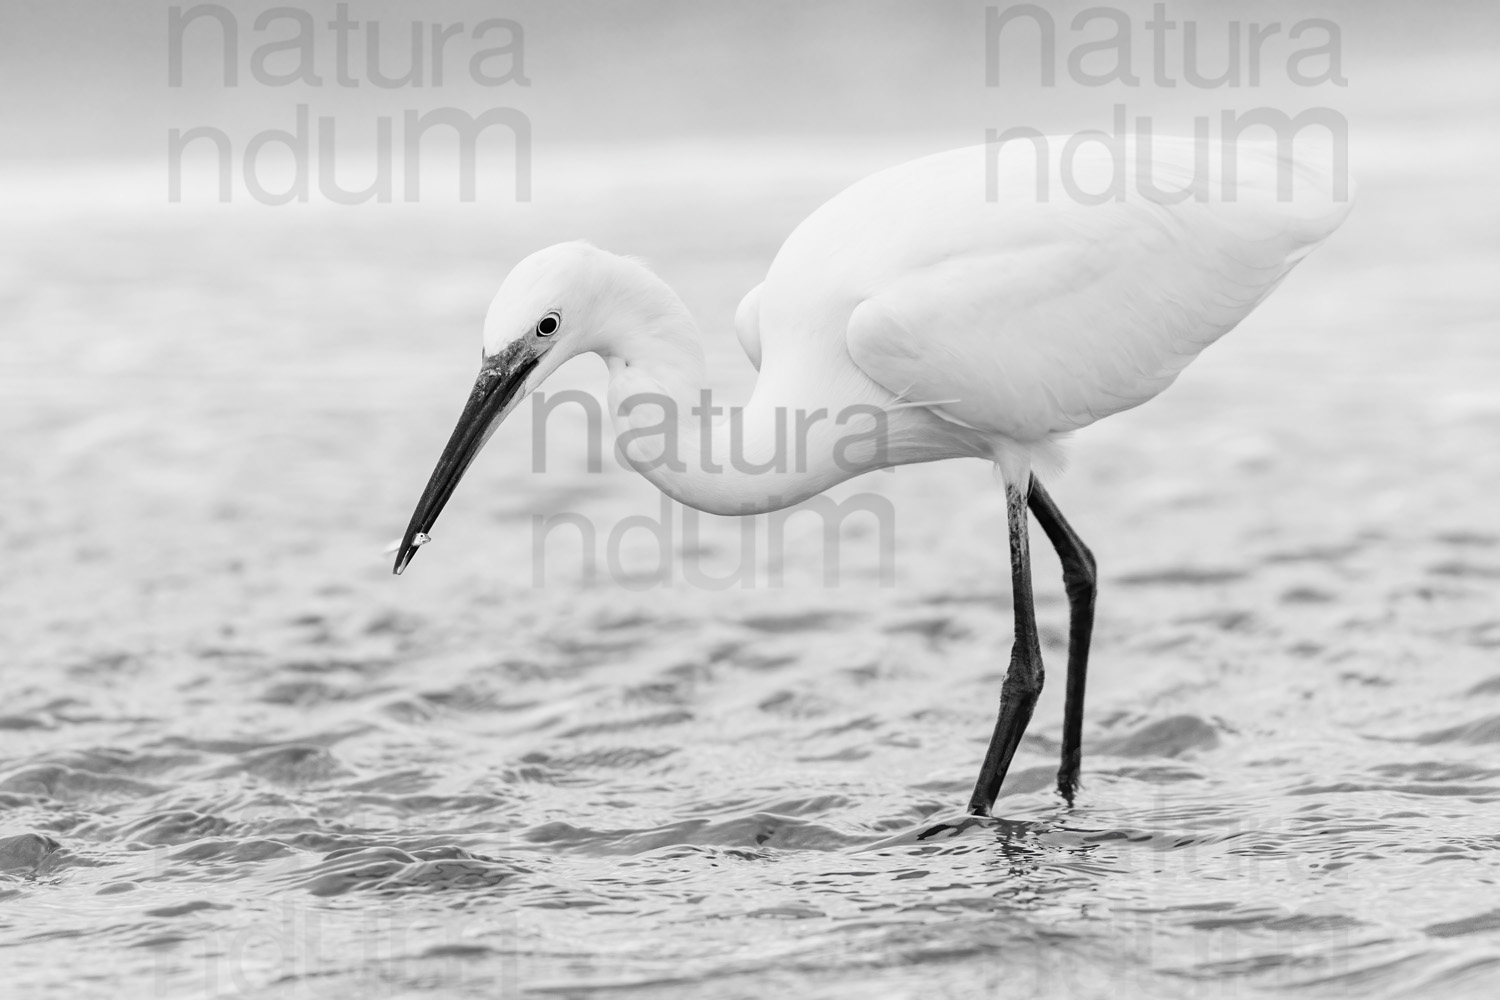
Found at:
(560, 302)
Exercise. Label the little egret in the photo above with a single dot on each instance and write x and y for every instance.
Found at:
(979, 303)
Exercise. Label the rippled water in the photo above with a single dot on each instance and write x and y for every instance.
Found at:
(239, 757)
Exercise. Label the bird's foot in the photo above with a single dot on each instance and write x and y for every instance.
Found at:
(1067, 786)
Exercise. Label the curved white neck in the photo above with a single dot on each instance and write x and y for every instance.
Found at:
(770, 453)
(807, 426)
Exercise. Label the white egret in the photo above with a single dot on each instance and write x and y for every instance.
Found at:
(981, 303)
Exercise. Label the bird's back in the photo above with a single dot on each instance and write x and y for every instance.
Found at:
(1034, 298)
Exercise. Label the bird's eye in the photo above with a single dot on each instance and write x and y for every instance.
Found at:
(548, 324)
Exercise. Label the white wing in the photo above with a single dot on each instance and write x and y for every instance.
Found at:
(747, 324)
(1036, 312)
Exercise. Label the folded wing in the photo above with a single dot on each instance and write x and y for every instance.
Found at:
(1035, 311)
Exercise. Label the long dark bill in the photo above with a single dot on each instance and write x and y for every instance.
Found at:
(500, 380)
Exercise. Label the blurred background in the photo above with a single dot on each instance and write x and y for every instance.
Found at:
(90, 80)
(215, 413)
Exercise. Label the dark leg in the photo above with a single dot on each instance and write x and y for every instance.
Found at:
(1079, 575)
(1023, 681)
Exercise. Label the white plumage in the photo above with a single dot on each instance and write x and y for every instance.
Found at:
(1038, 316)
(983, 302)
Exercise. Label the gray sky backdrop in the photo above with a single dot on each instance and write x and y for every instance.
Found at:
(88, 79)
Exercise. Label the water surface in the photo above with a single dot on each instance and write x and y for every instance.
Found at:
(238, 757)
